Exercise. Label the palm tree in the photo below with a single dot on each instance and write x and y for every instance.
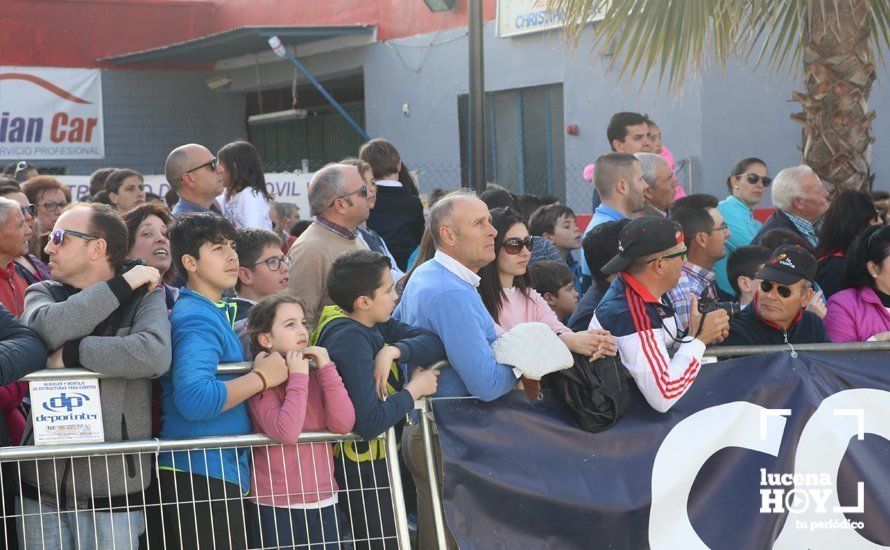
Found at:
(834, 42)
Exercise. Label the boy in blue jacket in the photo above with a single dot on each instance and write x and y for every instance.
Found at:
(364, 341)
(207, 486)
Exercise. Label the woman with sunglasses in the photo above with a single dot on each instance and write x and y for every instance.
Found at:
(860, 313)
(246, 200)
(747, 184)
(509, 298)
(848, 215)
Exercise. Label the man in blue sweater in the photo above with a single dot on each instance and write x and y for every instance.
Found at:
(441, 296)
(365, 343)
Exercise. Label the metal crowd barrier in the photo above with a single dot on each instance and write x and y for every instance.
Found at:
(41, 523)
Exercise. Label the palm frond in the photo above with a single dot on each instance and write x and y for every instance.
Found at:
(676, 38)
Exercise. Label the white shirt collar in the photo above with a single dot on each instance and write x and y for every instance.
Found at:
(459, 269)
(388, 183)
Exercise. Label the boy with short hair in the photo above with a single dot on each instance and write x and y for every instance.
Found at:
(263, 269)
(556, 223)
(742, 265)
(202, 491)
(555, 282)
(364, 341)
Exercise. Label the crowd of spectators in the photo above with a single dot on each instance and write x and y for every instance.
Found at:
(340, 313)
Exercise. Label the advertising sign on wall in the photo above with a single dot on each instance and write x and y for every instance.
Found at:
(289, 187)
(49, 113)
(517, 17)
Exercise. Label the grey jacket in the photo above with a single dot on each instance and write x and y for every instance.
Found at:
(135, 355)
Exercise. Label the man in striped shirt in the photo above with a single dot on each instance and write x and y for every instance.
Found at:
(651, 252)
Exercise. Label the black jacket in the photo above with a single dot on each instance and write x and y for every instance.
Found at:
(21, 353)
(580, 319)
(750, 330)
(398, 218)
(779, 220)
(830, 275)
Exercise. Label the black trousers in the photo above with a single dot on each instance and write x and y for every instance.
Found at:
(202, 512)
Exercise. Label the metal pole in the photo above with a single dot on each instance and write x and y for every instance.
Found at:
(476, 144)
(737, 351)
(397, 491)
(321, 89)
(426, 432)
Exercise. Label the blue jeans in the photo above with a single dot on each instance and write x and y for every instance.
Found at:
(316, 529)
(47, 528)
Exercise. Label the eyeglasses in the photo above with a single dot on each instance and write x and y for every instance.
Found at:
(211, 163)
(30, 210)
(514, 245)
(678, 254)
(274, 264)
(723, 227)
(53, 206)
(58, 236)
(754, 178)
(363, 191)
(783, 290)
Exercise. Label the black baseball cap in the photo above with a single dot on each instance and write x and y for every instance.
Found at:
(643, 237)
(789, 264)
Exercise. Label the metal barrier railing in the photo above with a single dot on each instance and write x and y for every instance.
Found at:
(739, 351)
(44, 515)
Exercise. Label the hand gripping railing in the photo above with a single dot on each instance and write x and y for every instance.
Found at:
(115, 448)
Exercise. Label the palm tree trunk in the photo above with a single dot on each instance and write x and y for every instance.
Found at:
(839, 71)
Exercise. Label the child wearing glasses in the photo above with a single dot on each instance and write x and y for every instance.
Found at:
(263, 269)
(509, 298)
(293, 485)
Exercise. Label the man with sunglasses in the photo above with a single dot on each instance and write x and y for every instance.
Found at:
(338, 200)
(191, 171)
(637, 312)
(705, 233)
(109, 317)
(800, 200)
(778, 312)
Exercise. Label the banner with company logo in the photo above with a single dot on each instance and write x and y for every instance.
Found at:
(289, 187)
(66, 411)
(51, 113)
(769, 451)
(516, 17)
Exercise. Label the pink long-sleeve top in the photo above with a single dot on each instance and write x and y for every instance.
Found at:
(289, 474)
(518, 308)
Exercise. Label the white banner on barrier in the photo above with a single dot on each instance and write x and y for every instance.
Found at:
(66, 411)
(49, 113)
(289, 187)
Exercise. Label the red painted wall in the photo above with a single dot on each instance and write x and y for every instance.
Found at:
(75, 33)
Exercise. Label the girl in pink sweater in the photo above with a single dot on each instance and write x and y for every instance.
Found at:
(293, 485)
(509, 298)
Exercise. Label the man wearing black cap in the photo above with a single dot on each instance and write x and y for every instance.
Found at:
(778, 314)
(637, 312)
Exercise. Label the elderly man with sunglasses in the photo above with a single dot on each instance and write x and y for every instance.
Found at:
(110, 317)
(778, 312)
(338, 198)
(638, 313)
(191, 172)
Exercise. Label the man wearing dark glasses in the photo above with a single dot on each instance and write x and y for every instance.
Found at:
(338, 198)
(778, 313)
(191, 172)
(111, 318)
(637, 311)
